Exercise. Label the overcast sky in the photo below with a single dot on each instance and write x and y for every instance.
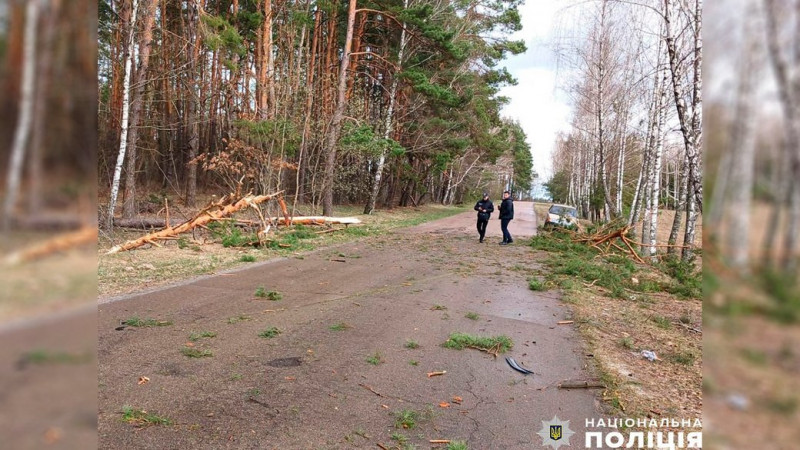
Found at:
(536, 102)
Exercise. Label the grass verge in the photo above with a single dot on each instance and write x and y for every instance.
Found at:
(623, 308)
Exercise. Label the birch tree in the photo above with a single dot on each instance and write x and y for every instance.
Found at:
(123, 141)
(689, 117)
(25, 119)
(743, 146)
(787, 74)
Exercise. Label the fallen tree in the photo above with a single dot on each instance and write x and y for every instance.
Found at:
(220, 210)
(59, 243)
(316, 220)
(146, 222)
(215, 211)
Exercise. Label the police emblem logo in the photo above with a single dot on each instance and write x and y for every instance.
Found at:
(555, 433)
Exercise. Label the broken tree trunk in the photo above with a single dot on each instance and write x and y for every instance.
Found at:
(213, 212)
(146, 222)
(61, 242)
(316, 220)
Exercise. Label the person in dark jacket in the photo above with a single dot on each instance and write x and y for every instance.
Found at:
(485, 209)
(506, 215)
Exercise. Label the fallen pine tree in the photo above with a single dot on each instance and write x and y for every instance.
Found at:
(215, 211)
(221, 210)
(58, 243)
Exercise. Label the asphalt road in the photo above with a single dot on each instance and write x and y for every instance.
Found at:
(311, 386)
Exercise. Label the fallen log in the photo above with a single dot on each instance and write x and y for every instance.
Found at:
(215, 211)
(317, 220)
(146, 222)
(59, 243)
(49, 222)
(581, 384)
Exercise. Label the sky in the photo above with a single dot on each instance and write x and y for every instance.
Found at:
(536, 102)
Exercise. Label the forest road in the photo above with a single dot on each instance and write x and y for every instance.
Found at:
(341, 367)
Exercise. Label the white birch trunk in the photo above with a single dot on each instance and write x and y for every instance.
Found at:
(25, 120)
(123, 139)
(656, 187)
(681, 187)
(744, 149)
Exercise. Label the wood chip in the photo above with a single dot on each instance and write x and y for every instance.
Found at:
(457, 400)
(565, 322)
(433, 374)
(444, 405)
(143, 380)
(439, 441)
(52, 435)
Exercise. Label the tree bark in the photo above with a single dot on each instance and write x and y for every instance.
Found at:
(744, 148)
(387, 131)
(192, 115)
(129, 203)
(123, 140)
(336, 123)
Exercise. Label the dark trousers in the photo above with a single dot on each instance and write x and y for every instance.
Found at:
(504, 227)
(482, 227)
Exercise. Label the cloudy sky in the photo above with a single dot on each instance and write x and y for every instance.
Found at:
(537, 103)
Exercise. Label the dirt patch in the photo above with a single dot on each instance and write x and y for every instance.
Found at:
(752, 370)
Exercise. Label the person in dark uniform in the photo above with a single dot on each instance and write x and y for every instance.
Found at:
(485, 209)
(506, 216)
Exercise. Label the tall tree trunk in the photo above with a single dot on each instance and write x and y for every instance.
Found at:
(637, 194)
(123, 140)
(146, 36)
(692, 136)
(192, 114)
(788, 92)
(304, 138)
(387, 130)
(682, 188)
(338, 114)
(659, 150)
(744, 148)
(44, 78)
(24, 122)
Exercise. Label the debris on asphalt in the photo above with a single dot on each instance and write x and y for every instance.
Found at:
(738, 401)
(516, 366)
(581, 384)
(457, 400)
(444, 405)
(649, 355)
(433, 374)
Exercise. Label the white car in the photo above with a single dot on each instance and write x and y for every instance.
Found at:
(562, 216)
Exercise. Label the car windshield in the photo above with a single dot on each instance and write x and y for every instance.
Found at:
(563, 211)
